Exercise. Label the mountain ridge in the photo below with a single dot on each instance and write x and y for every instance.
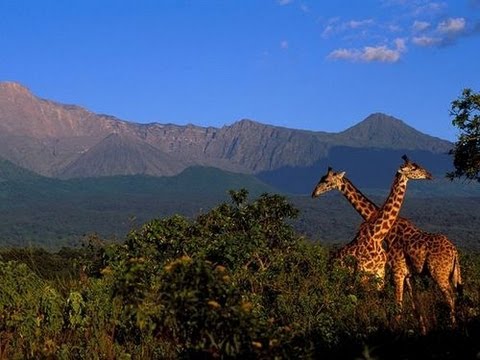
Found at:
(65, 141)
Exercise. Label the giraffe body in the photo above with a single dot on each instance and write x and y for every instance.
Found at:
(367, 246)
(413, 251)
(409, 249)
(370, 257)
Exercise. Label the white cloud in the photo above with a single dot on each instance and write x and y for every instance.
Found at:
(420, 25)
(331, 27)
(446, 33)
(417, 7)
(327, 31)
(284, 45)
(380, 53)
(400, 44)
(285, 2)
(394, 28)
(452, 25)
(355, 24)
(345, 54)
(429, 7)
(426, 41)
(426, 23)
(304, 8)
(334, 26)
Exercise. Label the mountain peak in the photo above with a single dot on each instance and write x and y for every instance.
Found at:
(384, 131)
(380, 119)
(245, 123)
(14, 87)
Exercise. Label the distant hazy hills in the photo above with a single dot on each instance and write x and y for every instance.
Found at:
(41, 211)
(66, 141)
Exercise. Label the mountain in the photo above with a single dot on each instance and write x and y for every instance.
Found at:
(382, 131)
(66, 172)
(67, 141)
(118, 154)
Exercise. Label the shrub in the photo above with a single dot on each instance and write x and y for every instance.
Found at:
(30, 311)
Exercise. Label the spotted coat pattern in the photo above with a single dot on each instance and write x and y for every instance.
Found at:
(410, 250)
(367, 247)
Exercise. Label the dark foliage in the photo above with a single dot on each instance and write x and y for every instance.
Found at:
(466, 153)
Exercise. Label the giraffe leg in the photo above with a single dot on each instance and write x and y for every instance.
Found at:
(416, 309)
(442, 278)
(449, 298)
(398, 282)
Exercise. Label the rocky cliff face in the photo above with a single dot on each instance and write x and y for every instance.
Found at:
(68, 141)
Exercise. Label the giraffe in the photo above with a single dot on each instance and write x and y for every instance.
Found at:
(410, 250)
(367, 246)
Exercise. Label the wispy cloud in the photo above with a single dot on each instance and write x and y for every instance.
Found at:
(355, 24)
(383, 38)
(284, 2)
(284, 45)
(394, 28)
(426, 41)
(380, 53)
(330, 27)
(420, 25)
(447, 32)
(304, 8)
(418, 7)
(335, 26)
(452, 25)
(428, 7)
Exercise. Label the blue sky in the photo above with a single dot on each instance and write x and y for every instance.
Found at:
(317, 65)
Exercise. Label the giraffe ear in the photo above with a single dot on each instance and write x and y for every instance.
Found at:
(341, 175)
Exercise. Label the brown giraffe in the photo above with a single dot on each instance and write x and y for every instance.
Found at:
(367, 246)
(409, 249)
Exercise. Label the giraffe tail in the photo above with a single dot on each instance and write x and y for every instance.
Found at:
(456, 275)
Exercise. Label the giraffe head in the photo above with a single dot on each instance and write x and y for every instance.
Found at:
(412, 170)
(331, 180)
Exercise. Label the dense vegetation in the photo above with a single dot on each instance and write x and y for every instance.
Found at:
(51, 213)
(466, 153)
(236, 281)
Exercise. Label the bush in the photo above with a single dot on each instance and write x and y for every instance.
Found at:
(30, 311)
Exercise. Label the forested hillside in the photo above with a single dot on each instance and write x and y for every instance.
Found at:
(51, 213)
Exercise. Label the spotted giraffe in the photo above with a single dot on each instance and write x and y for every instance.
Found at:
(367, 246)
(410, 250)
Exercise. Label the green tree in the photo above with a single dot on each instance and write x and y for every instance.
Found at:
(466, 153)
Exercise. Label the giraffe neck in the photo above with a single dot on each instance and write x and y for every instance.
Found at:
(366, 208)
(388, 213)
